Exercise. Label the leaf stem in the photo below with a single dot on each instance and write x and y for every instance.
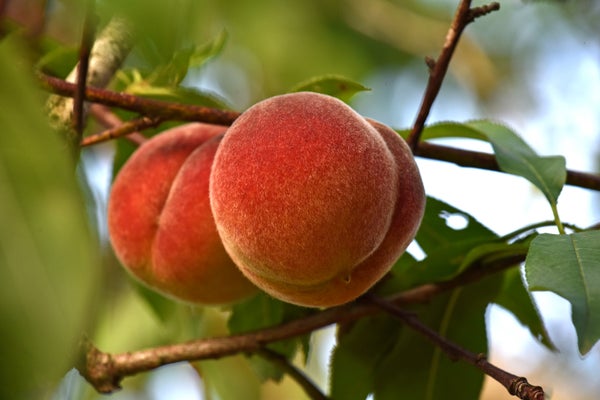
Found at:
(559, 224)
(104, 371)
(516, 233)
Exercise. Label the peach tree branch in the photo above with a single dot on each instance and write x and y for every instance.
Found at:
(437, 68)
(105, 371)
(112, 122)
(123, 129)
(161, 109)
(516, 386)
(85, 50)
(187, 112)
(106, 56)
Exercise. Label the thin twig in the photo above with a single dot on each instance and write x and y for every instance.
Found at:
(309, 387)
(516, 386)
(437, 68)
(125, 129)
(105, 371)
(85, 49)
(110, 120)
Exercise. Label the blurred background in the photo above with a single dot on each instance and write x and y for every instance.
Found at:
(533, 65)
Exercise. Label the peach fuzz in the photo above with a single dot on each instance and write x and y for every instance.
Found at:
(313, 202)
(160, 222)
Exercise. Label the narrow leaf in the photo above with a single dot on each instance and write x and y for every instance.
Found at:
(332, 85)
(179, 94)
(569, 265)
(447, 129)
(204, 53)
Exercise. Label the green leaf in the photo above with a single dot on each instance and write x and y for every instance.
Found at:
(435, 230)
(262, 311)
(228, 377)
(514, 156)
(360, 347)
(202, 54)
(162, 28)
(569, 265)
(48, 256)
(445, 247)
(162, 307)
(58, 60)
(514, 297)
(415, 369)
(332, 85)
(178, 94)
(447, 129)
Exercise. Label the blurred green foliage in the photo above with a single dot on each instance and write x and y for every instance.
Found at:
(48, 255)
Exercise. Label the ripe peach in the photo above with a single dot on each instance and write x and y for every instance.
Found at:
(160, 222)
(313, 202)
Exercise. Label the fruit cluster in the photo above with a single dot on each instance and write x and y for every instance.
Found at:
(301, 196)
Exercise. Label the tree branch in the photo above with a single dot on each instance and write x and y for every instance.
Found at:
(110, 121)
(187, 112)
(105, 371)
(85, 49)
(107, 54)
(476, 159)
(516, 386)
(161, 109)
(437, 68)
(304, 381)
(124, 129)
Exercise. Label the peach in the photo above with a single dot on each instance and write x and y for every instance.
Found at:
(313, 202)
(160, 221)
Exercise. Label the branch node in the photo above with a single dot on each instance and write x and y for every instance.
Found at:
(481, 358)
(524, 390)
(430, 62)
(99, 370)
(477, 12)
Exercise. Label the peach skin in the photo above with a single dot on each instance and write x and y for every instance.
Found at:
(160, 221)
(313, 202)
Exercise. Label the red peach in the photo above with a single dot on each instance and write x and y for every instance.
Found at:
(160, 221)
(313, 202)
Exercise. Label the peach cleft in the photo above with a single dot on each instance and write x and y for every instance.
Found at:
(160, 221)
